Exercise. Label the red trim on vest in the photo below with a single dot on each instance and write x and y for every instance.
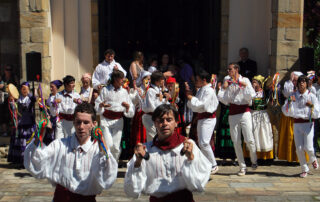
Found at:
(112, 115)
(63, 194)
(68, 117)
(238, 109)
(183, 195)
(206, 115)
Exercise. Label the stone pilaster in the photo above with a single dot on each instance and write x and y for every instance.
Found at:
(286, 35)
(36, 36)
(95, 32)
(224, 36)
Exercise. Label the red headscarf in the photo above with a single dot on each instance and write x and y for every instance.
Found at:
(171, 80)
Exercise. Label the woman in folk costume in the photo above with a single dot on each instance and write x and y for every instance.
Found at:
(137, 95)
(22, 112)
(286, 149)
(262, 130)
(224, 147)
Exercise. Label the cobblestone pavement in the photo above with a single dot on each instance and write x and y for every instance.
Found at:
(278, 182)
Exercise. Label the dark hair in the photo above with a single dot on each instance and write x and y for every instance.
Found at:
(109, 51)
(137, 55)
(235, 65)
(115, 75)
(86, 108)
(156, 76)
(165, 109)
(203, 74)
(68, 79)
(244, 49)
(303, 78)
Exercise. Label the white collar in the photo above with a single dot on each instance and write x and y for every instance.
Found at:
(75, 144)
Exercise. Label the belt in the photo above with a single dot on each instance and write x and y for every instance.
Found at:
(68, 117)
(63, 194)
(299, 120)
(206, 115)
(238, 109)
(112, 115)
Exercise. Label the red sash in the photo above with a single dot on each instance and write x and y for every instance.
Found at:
(63, 194)
(68, 117)
(238, 109)
(112, 115)
(299, 120)
(206, 115)
(182, 195)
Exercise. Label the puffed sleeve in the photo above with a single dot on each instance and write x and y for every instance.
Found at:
(288, 109)
(288, 88)
(222, 96)
(248, 90)
(196, 173)
(106, 170)
(39, 161)
(135, 178)
(99, 100)
(96, 77)
(130, 112)
(209, 103)
(121, 69)
(316, 107)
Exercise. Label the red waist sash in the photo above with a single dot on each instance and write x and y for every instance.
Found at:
(299, 120)
(238, 109)
(63, 194)
(68, 117)
(112, 115)
(182, 195)
(206, 115)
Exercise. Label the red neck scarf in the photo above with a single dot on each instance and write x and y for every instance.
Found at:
(169, 143)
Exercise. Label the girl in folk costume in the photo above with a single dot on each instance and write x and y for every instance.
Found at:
(261, 125)
(137, 95)
(22, 112)
(53, 111)
(86, 89)
(173, 89)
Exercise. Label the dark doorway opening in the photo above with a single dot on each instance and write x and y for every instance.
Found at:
(157, 27)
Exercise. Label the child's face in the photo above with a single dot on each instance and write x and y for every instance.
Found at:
(53, 89)
(86, 82)
(24, 90)
(170, 86)
(70, 86)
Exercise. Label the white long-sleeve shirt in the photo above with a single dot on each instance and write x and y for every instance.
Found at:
(235, 94)
(136, 99)
(152, 101)
(298, 109)
(67, 105)
(166, 172)
(103, 71)
(204, 101)
(288, 88)
(85, 172)
(109, 95)
(53, 106)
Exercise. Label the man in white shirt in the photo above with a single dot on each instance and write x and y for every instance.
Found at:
(112, 104)
(205, 103)
(238, 93)
(76, 165)
(168, 168)
(154, 98)
(303, 106)
(67, 101)
(290, 85)
(103, 71)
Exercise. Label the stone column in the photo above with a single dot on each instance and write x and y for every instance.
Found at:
(286, 35)
(224, 37)
(36, 35)
(95, 31)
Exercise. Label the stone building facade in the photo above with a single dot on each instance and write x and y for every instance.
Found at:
(66, 33)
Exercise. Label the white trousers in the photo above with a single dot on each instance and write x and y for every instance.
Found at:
(205, 129)
(242, 122)
(151, 130)
(303, 138)
(112, 133)
(64, 129)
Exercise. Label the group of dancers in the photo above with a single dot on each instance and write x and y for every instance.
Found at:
(166, 165)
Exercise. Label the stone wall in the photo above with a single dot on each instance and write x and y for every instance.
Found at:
(224, 36)
(36, 35)
(286, 35)
(95, 31)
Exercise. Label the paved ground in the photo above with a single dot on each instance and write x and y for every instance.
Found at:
(278, 182)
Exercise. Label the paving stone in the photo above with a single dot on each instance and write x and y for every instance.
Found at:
(11, 198)
(236, 185)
